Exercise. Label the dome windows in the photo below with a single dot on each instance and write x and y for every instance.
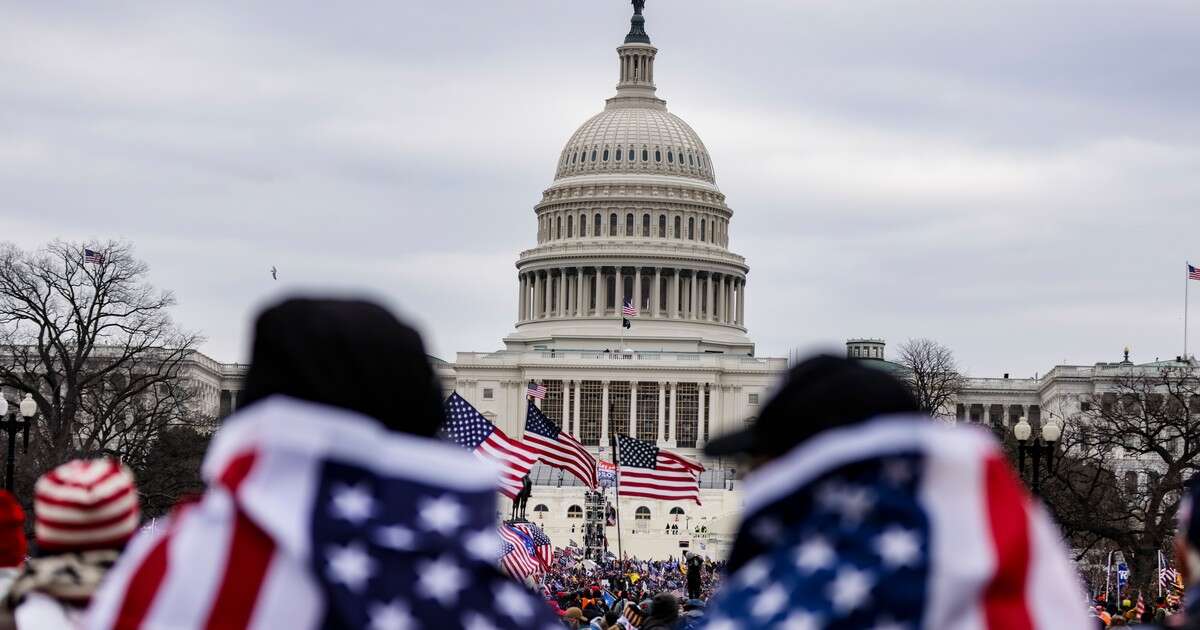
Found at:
(677, 224)
(629, 224)
(570, 226)
(582, 225)
(657, 155)
(690, 162)
(645, 155)
(702, 232)
(670, 157)
(691, 228)
(618, 155)
(612, 224)
(645, 225)
(606, 155)
(662, 225)
(593, 155)
(599, 226)
(574, 157)
(631, 154)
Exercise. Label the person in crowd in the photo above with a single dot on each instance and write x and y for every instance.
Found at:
(573, 618)
(329, 501)
(84, 513)
(695, 570)
(664, 613)
(860, 511)
(693, 614)
(13, 548)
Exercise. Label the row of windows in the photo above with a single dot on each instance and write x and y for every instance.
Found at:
(563, 225)
(577, 157)
(642, 513)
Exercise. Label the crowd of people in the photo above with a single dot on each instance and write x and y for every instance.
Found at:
(331, 502)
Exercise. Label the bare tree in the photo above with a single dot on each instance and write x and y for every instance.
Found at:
(94, 345)
(931, 374)
(1128, 453)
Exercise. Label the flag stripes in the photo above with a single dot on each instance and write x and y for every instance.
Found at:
(648, 472)
(557, 448)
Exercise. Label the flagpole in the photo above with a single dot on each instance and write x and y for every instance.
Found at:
(1187, 280)
(620, 551)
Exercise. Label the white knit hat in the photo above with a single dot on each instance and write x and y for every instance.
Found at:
(85, 504)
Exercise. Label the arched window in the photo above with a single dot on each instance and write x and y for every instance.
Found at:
(645, 155)
(1131, 482)
(642, 513)
(570, 226)
(677, 227)
(662, 225)
(612, 224)
(540, 510)
(557, 227)
(618, 155)
(574, 512)
(691, 228)
(599, 227)
(574, 157)
(631, 155)
(657, 155)
(690, 162)
(583, 225)
(629, 224)
(645, 225)
(702, 230)
(606, 155)
(675, 511)
(670, 156)
(593, 155)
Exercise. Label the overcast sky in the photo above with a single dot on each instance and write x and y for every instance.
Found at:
(1019, 180)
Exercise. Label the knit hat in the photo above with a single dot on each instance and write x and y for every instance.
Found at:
(85, 504)
(12, 531)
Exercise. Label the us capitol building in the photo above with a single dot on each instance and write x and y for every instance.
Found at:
(634, 213)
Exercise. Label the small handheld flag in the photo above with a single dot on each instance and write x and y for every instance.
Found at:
(536, 390)
(93, 257)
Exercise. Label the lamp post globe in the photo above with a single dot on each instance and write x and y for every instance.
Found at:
(28, 406)
(1022, 430)
(1051, 431)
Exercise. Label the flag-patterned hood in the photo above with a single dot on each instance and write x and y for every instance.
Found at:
(896, 523)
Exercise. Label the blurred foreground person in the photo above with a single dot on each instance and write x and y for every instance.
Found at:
(862, 513)
(329, 502)
(13, 547)
(1187, 558)
(84, 513)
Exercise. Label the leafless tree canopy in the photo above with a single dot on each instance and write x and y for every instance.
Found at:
(1127, 458)
(95, 346)
(932, 374)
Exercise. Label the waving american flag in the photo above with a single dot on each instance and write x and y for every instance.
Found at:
(466, 427)
(648, 472)
(556, 448)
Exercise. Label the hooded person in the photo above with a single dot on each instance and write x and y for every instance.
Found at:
(664, 613)
(84, 513)
(861, 512)
(329, 501)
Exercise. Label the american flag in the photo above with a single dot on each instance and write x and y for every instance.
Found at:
(896, 523)
(1141, 605)
(541, 542)
(521, 561)
(606, 473)
(1167, 577)
(558, 449)
(1193, 273)
(318, 518)
(466, 427)
(536, 390)
(646, 471)
(94, 257)
(629, 310)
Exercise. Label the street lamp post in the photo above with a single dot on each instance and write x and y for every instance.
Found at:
(1042, 445)
(17, 423)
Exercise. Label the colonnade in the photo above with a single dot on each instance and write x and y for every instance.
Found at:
(681, 412)
(996, 414)
(658, 292)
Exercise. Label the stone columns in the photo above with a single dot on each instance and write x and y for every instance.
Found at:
(672, 428)
(578, 395)
(604, 415)
(710, 313)
(673, 301)
(694, 307)
(599, 284)
(701, 417)
(618, 290)
(716, 414)
(580, 293)
(636, 298)
(566, 411)
(656, 292)
(521, 298)
(741, 303)
(661, 428)
(547, 297)
(633, 421)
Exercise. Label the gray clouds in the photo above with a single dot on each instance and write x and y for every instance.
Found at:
(1018, 180)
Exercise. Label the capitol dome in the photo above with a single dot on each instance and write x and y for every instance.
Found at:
(633, 234)
(635, 140)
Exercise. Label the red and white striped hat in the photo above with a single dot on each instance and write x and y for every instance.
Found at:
(85, 504)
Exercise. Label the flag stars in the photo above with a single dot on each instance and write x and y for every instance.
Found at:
(754, 573)
(769, 603)
(351, 566)
(353, 503)
(396, 537)
(850, 589)
(814, 554)
(898, 548)
(897, 472)
(393, 616)
(514, 601)
(853, 503)
(441, 580)
(476, 621)
(443, 515)
(767, 530)
(800, 620)
(482, 545)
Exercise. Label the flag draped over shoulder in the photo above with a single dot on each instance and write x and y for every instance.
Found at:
(649, 472)
(317, 517)
(466, 427)
(896, 521)
(558, 449)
